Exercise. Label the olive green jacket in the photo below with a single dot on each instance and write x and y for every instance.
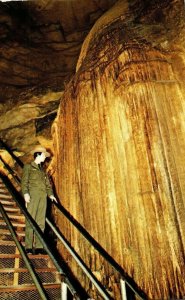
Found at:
(35, 179)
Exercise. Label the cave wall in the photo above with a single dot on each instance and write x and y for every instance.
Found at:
(120, 147)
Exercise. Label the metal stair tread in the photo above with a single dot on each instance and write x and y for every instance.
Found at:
(32, 256)
(4, 196)
(15, 224)
(3, 190)
(6, 231)
(15, 216)
(11, 209)
(27, 287)
(6, 202)
(25, 270)
(9, 243)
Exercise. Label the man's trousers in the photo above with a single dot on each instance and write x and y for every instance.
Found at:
(37, 209)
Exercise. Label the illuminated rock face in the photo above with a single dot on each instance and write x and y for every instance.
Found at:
(120, 152)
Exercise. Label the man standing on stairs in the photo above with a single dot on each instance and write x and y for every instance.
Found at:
(35, 188)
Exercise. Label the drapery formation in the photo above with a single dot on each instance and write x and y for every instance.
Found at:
(120, 150)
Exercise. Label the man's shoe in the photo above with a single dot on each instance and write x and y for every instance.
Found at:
(29, 251)
(40, 251)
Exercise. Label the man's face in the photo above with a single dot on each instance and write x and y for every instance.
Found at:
(42, 157)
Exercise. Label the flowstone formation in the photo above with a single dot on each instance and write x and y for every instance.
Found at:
(120, 147)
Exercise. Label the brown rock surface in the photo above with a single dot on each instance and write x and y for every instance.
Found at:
(120, 146)
(40, 42)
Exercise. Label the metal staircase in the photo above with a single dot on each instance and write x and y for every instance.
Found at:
(45, 277)
(15, 280)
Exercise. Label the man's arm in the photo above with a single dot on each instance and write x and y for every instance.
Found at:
(49, 189)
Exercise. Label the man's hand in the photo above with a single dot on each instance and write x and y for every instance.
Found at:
(27, 198)
(53, 198)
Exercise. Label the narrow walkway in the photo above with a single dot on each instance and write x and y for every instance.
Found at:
(15, 280)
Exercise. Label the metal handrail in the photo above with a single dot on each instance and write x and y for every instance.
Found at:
(98, 247)
(80, 262)
(39, 234)
(23, 254)
(17, 179)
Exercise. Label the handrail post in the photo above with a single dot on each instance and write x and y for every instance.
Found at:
(63, 291)
(123, 289)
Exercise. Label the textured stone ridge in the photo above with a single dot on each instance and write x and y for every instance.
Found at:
(120, 148)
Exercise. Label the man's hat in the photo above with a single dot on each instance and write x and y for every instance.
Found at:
(40, 149)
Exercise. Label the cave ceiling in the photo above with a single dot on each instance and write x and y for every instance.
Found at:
(40, 43)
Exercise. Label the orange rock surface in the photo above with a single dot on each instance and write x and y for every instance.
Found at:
(119, 142)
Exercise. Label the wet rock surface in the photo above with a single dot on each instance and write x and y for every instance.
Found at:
(120, 130)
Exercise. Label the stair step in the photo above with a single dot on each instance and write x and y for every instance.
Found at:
(15, 224)
(11, 209)
(41, 261)
(47, 275)
(27, 287)
(24, 270)
(32, 256)
(8, 261)
(7, 249)
(15, 216)
(4, 196)
(3, 190)
(53, 292)
(8, 243)
(6, 231)
(6, 202)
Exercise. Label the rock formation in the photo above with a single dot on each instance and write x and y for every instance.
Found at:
(40, 42)
(120, 147)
